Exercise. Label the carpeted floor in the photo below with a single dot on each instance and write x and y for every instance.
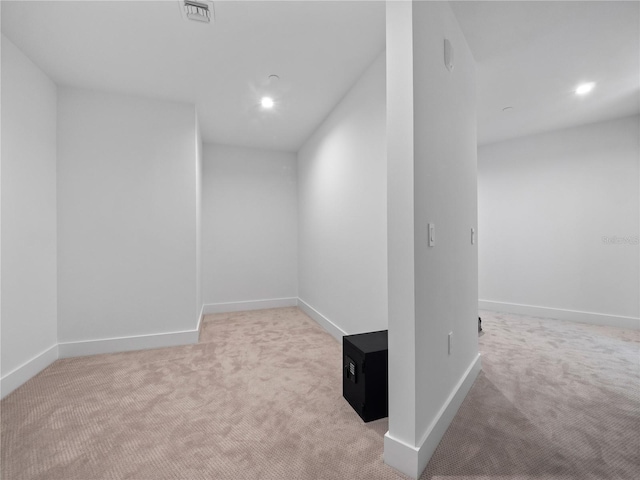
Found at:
(260, 397)
(555, 400)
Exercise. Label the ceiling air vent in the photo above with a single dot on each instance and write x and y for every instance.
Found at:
(197, 10)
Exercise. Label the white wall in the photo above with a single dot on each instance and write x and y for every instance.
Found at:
(249, 226)
(446, 195)
(126, 216)
(436, 161)
(342, 211)
(547, 202)
(400, 235)
(28, 218)
(199, 184)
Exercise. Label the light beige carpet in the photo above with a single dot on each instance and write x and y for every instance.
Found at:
(555, 400)
(260, 397)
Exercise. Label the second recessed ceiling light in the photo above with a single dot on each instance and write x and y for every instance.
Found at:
(585, 88)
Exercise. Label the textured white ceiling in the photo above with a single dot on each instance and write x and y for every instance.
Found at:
(532, 55)
(318, 49)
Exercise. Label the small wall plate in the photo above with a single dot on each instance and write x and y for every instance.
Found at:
(448, 54)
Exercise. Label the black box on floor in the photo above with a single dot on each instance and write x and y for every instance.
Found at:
(365, 379)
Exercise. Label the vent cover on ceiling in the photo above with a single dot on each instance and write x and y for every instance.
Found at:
(197, 10)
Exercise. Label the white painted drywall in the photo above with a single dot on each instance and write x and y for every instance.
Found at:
(438, 163)
(126, 216)
(559, 219)
(199, 179)
(29, 297)
(400, 236)
(342, 210)
(445, 165)
(249, 224)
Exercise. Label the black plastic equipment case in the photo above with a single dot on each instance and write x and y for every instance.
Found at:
(365, 379)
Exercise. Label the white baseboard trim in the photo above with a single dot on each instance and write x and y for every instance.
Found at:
(401, 456)
(412, 460)
(127, 344)
(323, 321)
(631, 323)
(24, 372)
(209, 308)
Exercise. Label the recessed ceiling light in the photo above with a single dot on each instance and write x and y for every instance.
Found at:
(267, 102)
(585, 88)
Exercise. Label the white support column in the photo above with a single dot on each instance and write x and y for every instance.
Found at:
(432, 179)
